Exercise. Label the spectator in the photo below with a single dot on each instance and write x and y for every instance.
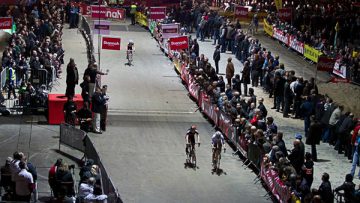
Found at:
(85, 117)
(348, 187)
(104, 109)
(97, 103)
(296, 157)
(96, 196)
(356, 157)
(334, 119)
(278, 140)
(24, 183)
(65, 181)
(72, 78)
(314, 136)
(6, 181)
(85, 89)
(308, 169)
(70, 111)
(87, 187)
(325, 190)
(216, 58)
(236, 82)
(246, 77)
(262, 108)
(52, 176)
(92, 71)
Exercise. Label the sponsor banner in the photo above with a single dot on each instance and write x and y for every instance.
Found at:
(241, 12)
(157, 13)
(278, 4)
(85, 9)
(311, 53)
(281, 36)
(208, 108)
(275, 184)
(225, 124)
(339, 80)
(177, 64)
(268, 28)
(110, 43)
(102, 27)
(184, 72)
(6, 23)
(296, 45)
(339, 69)
(103, 12)
(325, 64)
(285, 14)
(194, 89)
(177, 43)
(170, 30)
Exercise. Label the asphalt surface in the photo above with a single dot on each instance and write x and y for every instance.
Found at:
(143, 148)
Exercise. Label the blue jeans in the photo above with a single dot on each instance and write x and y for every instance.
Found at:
(216, 36)
(354, 163)
(325, 135)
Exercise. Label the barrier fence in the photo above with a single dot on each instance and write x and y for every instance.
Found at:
(78, 139)
(3, 78)
(311, 53)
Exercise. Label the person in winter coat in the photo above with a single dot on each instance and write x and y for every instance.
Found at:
(230, 70)
(348, 187)
(314, 136)
(72, 78)
(245, 79)
(216, 58)
(98, 102)
(325, 190)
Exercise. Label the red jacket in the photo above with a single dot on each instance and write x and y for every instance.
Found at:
(355, 133)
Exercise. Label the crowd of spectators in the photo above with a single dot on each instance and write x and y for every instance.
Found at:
(34, 54)
(331, 27)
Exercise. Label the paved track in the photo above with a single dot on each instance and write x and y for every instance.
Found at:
(143, 148)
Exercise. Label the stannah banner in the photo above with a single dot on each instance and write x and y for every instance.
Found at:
(178, 43)
(104, 12)
(5, 23)
(241, 11)
(111, 43)
(157, 13)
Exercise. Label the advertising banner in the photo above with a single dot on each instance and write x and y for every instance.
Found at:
(177, 43)
(170, 30)
(339, 69)
(157, 13)
(225, 124)
(241, 12)
(5, 23)
(278, 4)
(102, 27)
(338, 80)
(311, 53)
(275, 184)
(184, 74)
(103, 12)
(285, 14)
(268, 28)
(208, 108)
(281, 36)
(325, 64)
(85, 9)
(194, 89)
(110, 43)
(296, 45)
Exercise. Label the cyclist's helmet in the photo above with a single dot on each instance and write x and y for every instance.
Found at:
(131, 41)
(218, 134)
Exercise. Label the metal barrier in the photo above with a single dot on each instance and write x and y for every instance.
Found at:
(72, 137)
(39, 77)
(3, 78)
(106, 182)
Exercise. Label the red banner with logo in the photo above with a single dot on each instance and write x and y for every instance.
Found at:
(325, 64)
(157, 13)
(285, 14)
(194, 89)
(296, 45)
(225, 124)
(281, 36)
(275, 184)
(178, 43)
(111, 43)
(103, 12)
(208, 108)
(241, 12)
(5, 23)
(85, 9)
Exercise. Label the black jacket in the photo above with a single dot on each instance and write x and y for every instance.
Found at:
(216, 55)
(325, 192)
(98, 102)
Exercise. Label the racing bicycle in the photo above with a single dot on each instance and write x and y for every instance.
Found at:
(129, 57)
(217, 157)
(191, 155)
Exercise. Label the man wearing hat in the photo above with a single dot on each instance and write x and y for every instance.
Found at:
(298, 137)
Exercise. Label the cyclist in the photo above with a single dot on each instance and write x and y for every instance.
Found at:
(217, 141)
(130, 47)
(190, 139)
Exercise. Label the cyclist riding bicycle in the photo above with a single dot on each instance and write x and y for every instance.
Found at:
(130, 47)
(190, 139)
(217, 141)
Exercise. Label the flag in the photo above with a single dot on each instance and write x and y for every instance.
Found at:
(278, 4)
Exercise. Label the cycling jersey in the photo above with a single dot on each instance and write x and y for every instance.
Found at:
(191, 135)
(217, 138)
(130, 47)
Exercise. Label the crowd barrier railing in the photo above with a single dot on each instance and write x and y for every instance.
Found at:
(3, 78)
(78, 139)
(39, 77)
(307, 51)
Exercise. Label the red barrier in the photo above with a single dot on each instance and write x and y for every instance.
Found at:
(243, 145)
(184, 74)
(275, 184)
(281, 36)
(193, 88)
(225, 124)
(208, 108)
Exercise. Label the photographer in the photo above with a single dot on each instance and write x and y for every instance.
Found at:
(69, 111)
